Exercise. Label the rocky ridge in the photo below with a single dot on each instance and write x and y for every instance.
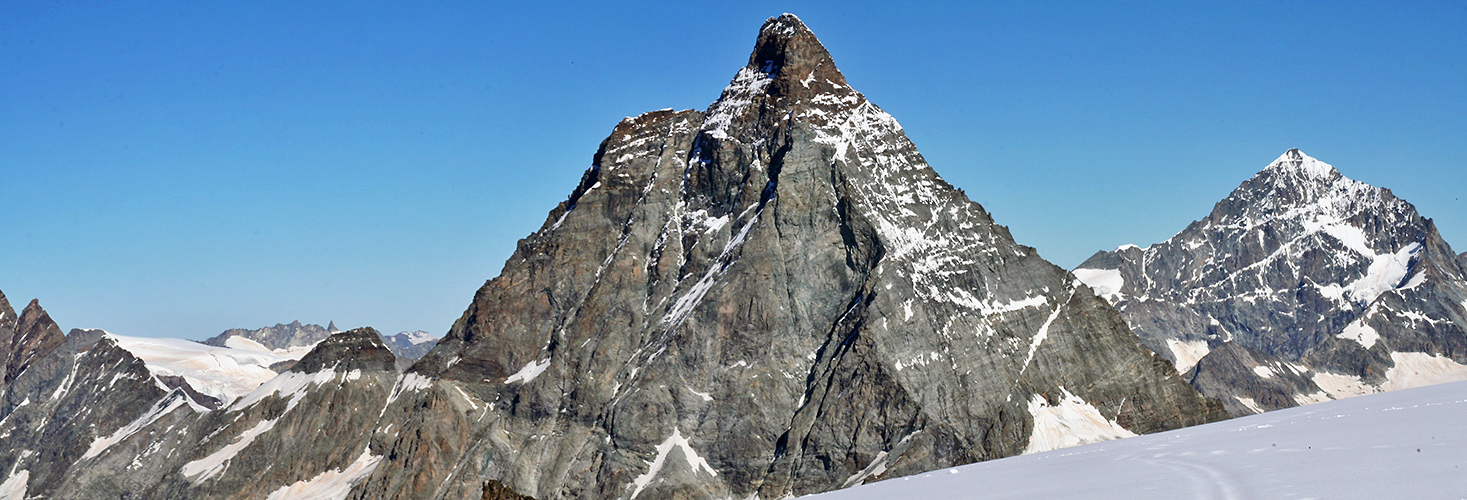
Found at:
(279, 337)
(1302, 285)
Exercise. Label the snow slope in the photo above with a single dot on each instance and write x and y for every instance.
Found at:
(1403, 444)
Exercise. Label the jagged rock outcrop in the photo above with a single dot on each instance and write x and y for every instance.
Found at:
(32, 336)
(774, 296)
(1329, 287)
(279, 337)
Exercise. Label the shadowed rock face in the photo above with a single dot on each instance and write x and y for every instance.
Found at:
(773, 296)
(1331, 287)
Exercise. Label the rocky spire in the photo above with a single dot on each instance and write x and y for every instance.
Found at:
(35, 335)
(7, 314)
(8, 322)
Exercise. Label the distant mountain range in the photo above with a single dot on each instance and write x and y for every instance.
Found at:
(295, 339)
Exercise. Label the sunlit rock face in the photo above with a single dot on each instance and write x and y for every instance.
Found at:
(1301, 286)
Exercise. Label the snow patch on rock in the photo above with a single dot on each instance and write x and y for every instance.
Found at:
(1361, 332)
(1107, 283)
(1386, 273)
(14, 487)
(529, 372)
(162, 407)
(1071, 422)
(333, 484)
(215, 463)
(676, 440)
(1187, 353)
(291, 385)
(1412, 369)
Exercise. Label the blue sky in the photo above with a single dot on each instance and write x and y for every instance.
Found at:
(178, 169)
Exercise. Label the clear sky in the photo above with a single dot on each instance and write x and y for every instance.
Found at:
(183, 168)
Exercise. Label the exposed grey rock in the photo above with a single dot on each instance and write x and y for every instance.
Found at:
(775, 296)
(360, 349)
(280, 336)
(1339, 280)
(33, 336)
(8, 319)
(1231, 374)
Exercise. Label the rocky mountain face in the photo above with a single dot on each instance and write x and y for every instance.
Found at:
(278, 337)
(1302, 285)
(410, 345)
(774, 296)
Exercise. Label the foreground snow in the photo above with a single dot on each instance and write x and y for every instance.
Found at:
(1402, 444)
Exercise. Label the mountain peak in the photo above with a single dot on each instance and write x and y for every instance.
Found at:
(1296, 162)
(788, 65)
(7, 313)
(358, 349)
(788, 50)
(35, 335)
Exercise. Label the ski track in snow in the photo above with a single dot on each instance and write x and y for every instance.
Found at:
(1403, 444)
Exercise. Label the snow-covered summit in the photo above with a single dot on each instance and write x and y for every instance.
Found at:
(1296, 162)
(1305, 271)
